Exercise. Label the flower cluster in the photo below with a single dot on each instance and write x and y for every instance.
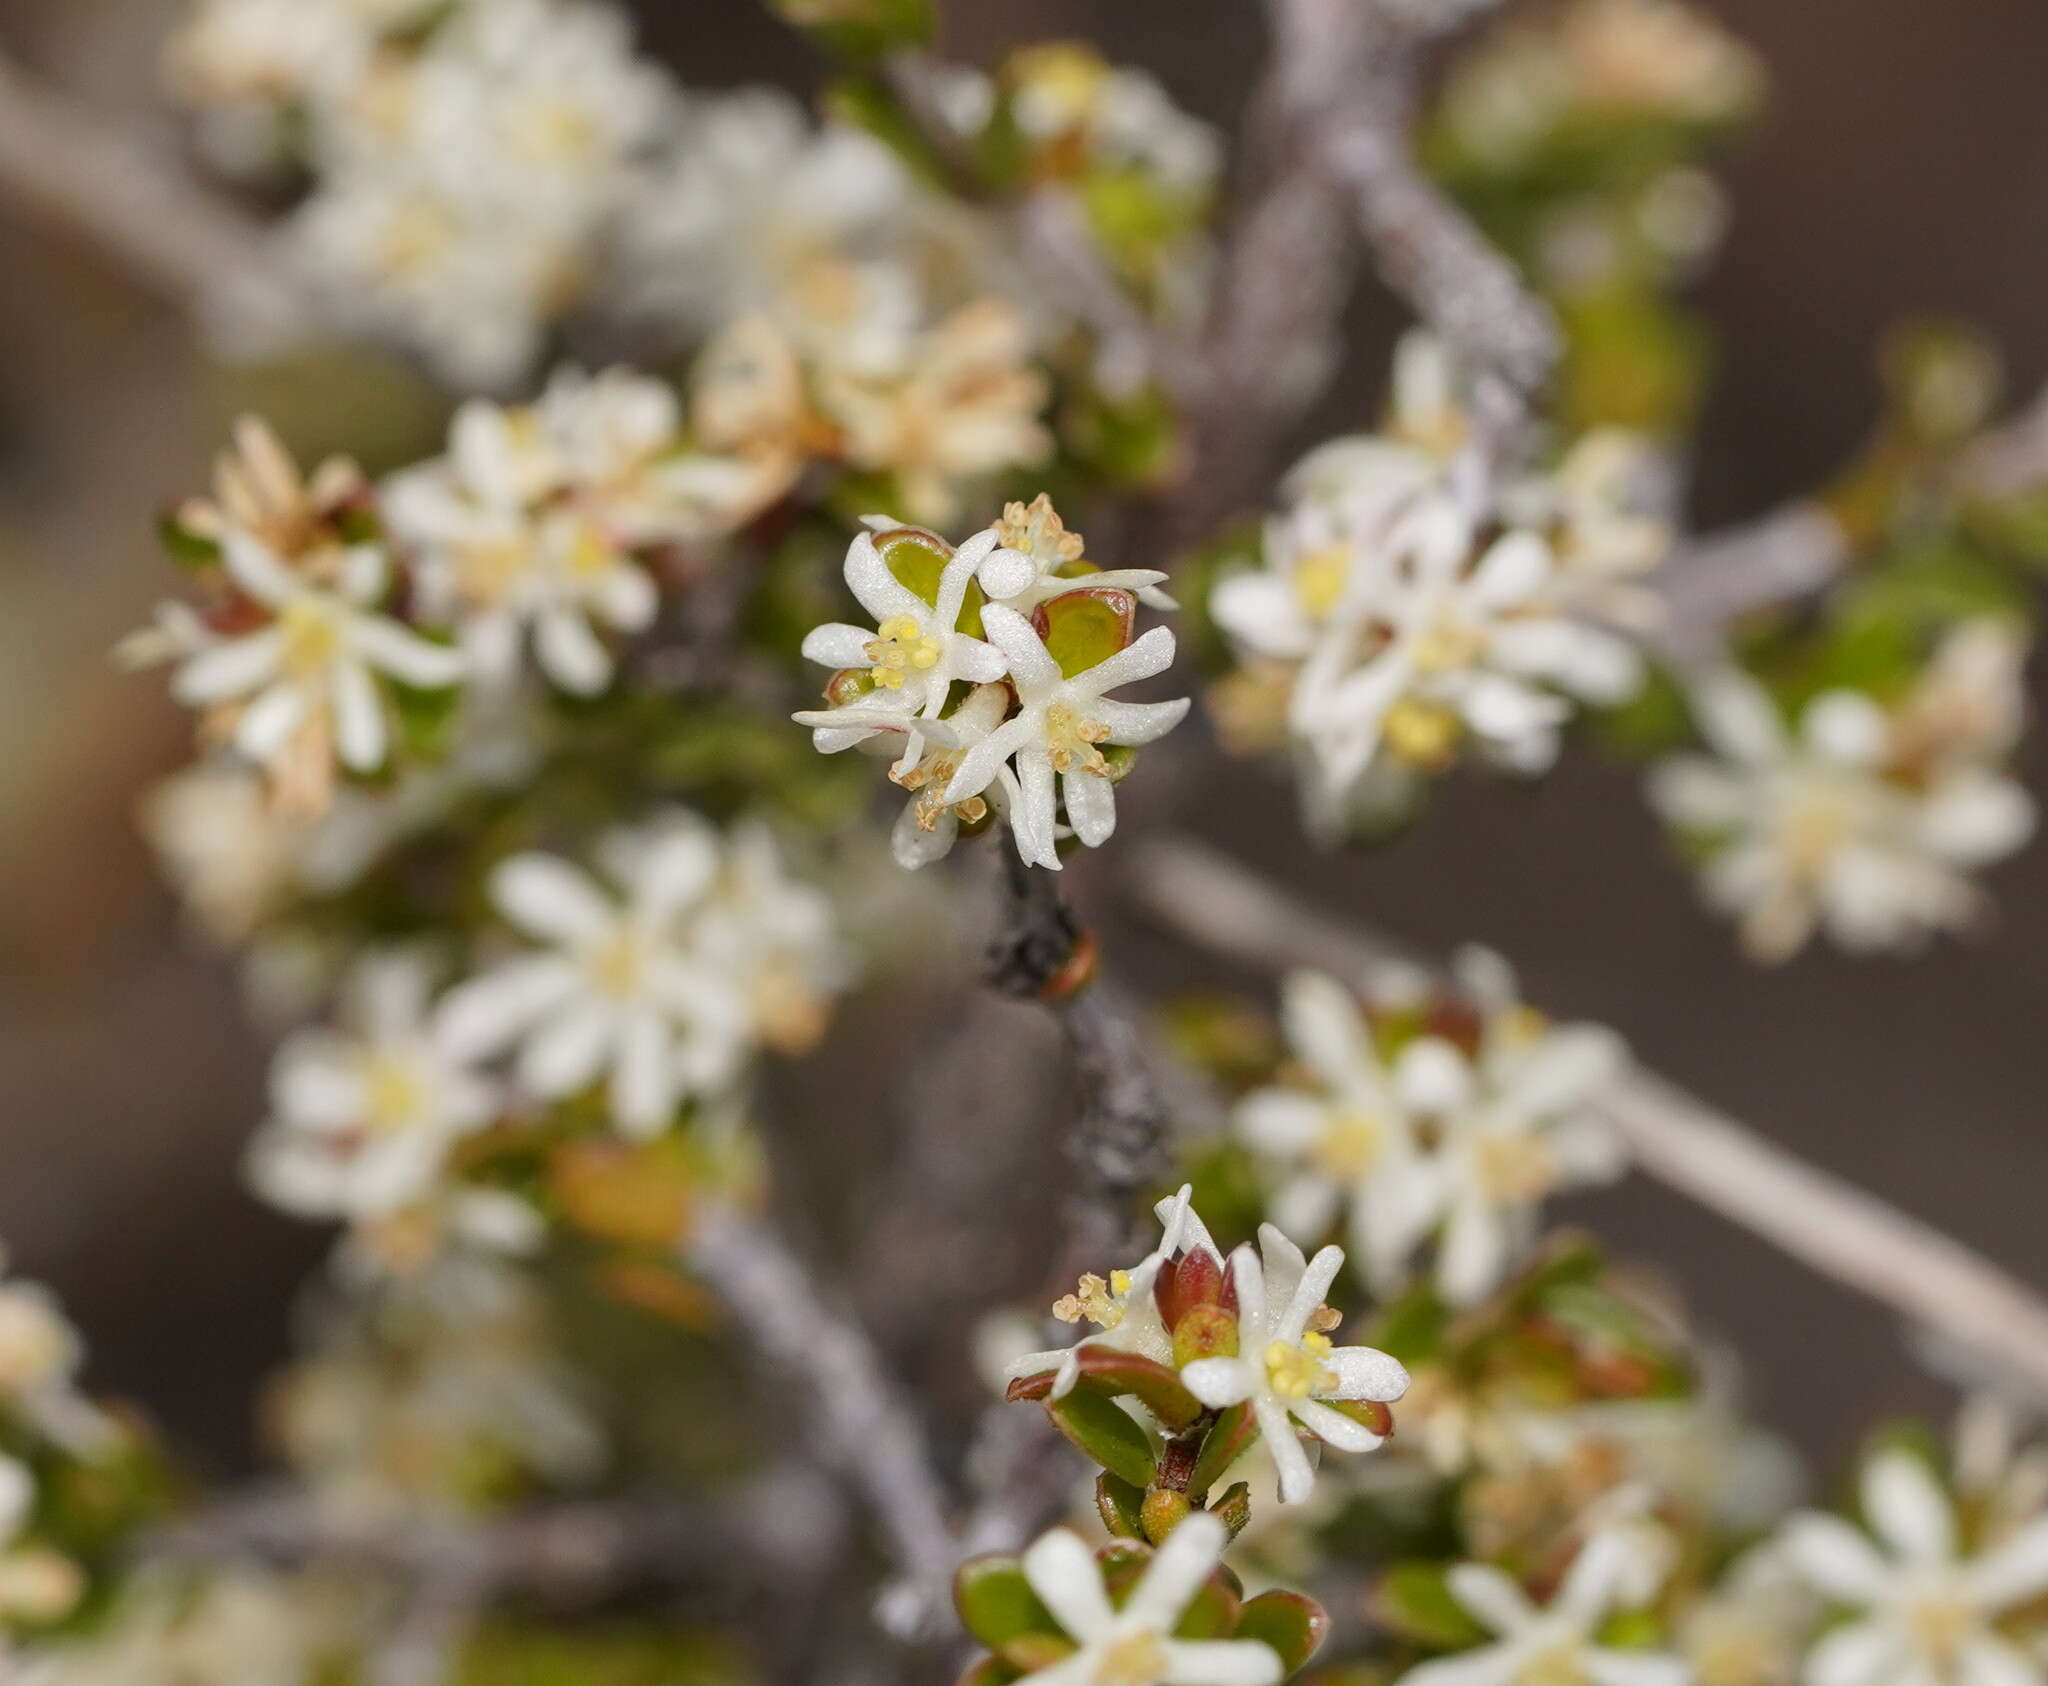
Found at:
(1862, 818)
(1391, 631)
(338, 610)
(849, 316)
(651, 981)
(986, 677)
(1454, 1115)
(1220, 1354)
(466, 160)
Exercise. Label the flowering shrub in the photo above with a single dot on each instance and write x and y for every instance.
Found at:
(501, 794)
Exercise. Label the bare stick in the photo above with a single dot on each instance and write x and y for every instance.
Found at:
(1118, 1142)
(135, 204)
(865, 1427)
(1812, 1215)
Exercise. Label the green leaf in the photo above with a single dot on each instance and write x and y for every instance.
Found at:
(1121, 1506)
(1105, 1433)
(1085, 627)
(862, 28)
(990, 1671)
(996, 1603)
(1294, 1625)
(1212, 1613)
(1415, 1600)
(917, 559)
(1229, 1437)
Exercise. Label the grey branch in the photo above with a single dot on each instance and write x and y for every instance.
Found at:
(1118, 1142)
(138, 205)
(866, 1429)
(1817, 1218)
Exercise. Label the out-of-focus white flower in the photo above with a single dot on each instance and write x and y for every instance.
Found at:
(1753, 1628)
(618, 988)
(1058, 730)
(532, 522)
(1068, 97)
(1465, 1136)
(1123, 1306)
(411, 1386)
(2001, 1471)
(963, 402)
(363, 1116)
(1558, 1641)
(774, 939)
(231, 854)
(752, 209)
(1862, 823)
(1925, 1611)
(1133, 1645)
(1286, 1368)
(40, 1357)
(312, 669)
(462, 189)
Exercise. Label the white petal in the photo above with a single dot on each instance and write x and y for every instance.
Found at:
(1283, 1445)
(1846, 727)
(406, 656)
(572, 655)
(1513, 569)
(1334, 1428)
(1176, 1572)
(879, 591)
(1324, 1026)
(1309, 1290)
(2014, 1572)
(1432, 1075)
(1068, 1581)
(1635, 1668)
(1283, 1122)
(1991, 1661)
(1219, 1662)
(477, 1019)
(1907, 1508)
(548, 898)
(1862, 1655)
(1135, 724)
(227, 670)
(838, 645)
(1031, 816)
(1219, 1382)
(979, 765)
(1091, 807)
(1475, 1253)
(358, 717)
(1150, 655)
(566, 1053)
(1494, 1665)
(268, 723)
(1364, 1372)
(643, 1092)
(1835, 1558)
(1031, 665)
(257, 569)
(1490, 1595)
(1006, 573)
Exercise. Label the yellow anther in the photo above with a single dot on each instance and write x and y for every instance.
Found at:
(1316, 1344)
(898, 646)
(1350, 1145)
(1320, 578)
(1449, 646)
(1293, 1372)
(312, 636)
(1422, 734)
(1095, 1301)
(1071, 741)
(1324, 1320)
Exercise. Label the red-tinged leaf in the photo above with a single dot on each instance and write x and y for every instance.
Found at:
(1295, 1626)
(1036, 1386)
(1030, 1652)
(1121, 1506)
(1234, 1509)
(1085, 627)
(996, 1603)
(1212, 1614)
(1106, 1434)
(1106, 1370)
(1123, 1562)
(990, 1671)
(1229, 1438)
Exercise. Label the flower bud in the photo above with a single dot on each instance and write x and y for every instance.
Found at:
(1162, 1513)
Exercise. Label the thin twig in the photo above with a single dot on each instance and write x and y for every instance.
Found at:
(134, 203)
(868, 1431)
(1816, 1217)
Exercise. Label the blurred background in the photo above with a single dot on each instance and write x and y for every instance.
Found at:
(1897, 172)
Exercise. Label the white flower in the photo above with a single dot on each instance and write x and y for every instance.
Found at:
(1034, 551)
(531, 521)
(929, 824)
(618, 988)
(774, 940)
(1928, 1614)
(1058, 730)
(1557, 1642)
(1134, 1646)
(1288, 1371)
(1852, 824)
(40, 1357)
(315, 665)
(1506, 1123)
(1352, 1136)
(750, 203)
(362, 1118)
(1124, 1306)
(915, 650)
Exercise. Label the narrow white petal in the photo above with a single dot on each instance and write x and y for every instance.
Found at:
(1492, 1596)
(1861, 1655)
(359, 734)
(1176, 1572)
(572, 655)
(1334, 1428)
(1907, 1508)
(547, 897)
(268, 723)
(1219, 1382)
(837, 645)
(567, 1052)
(1364, 1372)
(1290, 1460)
(406, 656)
(232, 669)
(1219, 1662)
(1835, 1558)
(1068, 1581)
(1091, 807)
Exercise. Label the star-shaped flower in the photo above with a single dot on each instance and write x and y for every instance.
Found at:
(1135, 1645)
(1286, 1367)
(1059, 729)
